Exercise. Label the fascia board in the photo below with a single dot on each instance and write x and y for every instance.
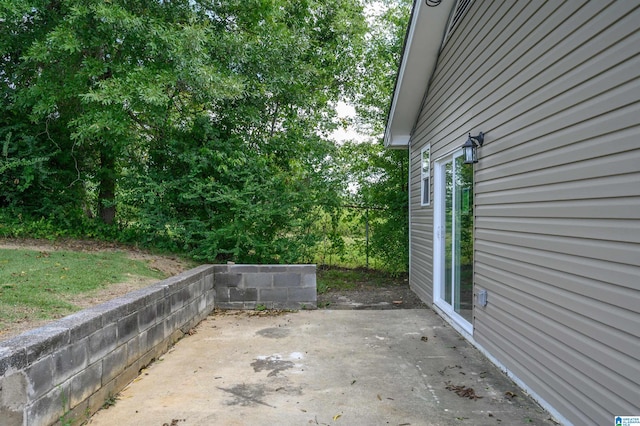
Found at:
(420, 54)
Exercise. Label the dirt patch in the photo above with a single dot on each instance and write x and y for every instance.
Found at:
(371, 297)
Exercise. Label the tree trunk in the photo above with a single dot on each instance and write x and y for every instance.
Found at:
(107, 187)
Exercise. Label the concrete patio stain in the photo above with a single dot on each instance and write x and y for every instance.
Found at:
(323, 367)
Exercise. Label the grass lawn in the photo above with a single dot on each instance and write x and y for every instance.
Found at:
(43, 285)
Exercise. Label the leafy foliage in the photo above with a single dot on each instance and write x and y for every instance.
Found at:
(381, 175)
(201, 126)
(186, 124)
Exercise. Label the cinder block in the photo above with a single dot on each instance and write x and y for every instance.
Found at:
(201, 270)
(129, 373)
(127, 328)
(40, 377)
(79, 414)
(171, 324)
(112, 310)
(70, 361)
(286, 280)
(244, 269)
(228, 280)
(272, 294)
(305, 269)
(178, 299)
(201, 303)
(305, 294)
(308, 280)
(14, 395)
(195, 290)
(147, 316)
(241, 295)
(131, 303)
(97, 400)
(187, 313)
(102, 342)
(12, 417)
(258, 280)
(153, 336)
(274, 269)
(11, 357)
(208, 281)
(189, 277)
(41, 341)
(81, 324)
(49, 408)
(222, 294)
(83, 384)
(175, 336)
(133, 350)
(153, 293)
(162, 309)
(211, 299)
(113, 364)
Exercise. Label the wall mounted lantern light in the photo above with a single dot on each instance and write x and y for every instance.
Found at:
(470, 148)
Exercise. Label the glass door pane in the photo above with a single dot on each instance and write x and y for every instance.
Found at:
(448, 233)
(454, 239)
(463, 239)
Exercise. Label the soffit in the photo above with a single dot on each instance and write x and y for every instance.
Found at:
(427, 27)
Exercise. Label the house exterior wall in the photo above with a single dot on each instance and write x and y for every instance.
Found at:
(555, 86)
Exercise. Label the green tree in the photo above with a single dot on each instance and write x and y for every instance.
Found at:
(196, 123)
(259, 167)
(381, 175)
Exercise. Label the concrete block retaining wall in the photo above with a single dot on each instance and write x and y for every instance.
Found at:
(65, 371)
(267, 286)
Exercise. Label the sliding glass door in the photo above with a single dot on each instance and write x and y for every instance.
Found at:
(453, 239)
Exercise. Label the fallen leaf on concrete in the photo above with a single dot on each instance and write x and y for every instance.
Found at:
(462, 391)
(336, 417)
(510, 395)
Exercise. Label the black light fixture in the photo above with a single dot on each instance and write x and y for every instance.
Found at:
(470, 148)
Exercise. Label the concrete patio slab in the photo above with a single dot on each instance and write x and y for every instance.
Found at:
(325, 367)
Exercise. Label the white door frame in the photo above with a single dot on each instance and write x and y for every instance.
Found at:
(439, 245)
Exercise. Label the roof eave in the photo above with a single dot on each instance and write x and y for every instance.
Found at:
(420, 54)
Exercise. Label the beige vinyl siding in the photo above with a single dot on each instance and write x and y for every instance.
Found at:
(556, 88)
(421, 240)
